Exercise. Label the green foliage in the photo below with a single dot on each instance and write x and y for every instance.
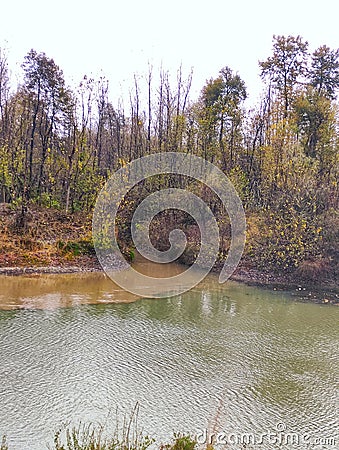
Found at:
(46, 199)
(228, 89)
(132, 254)
(219, 116)
(286, 66)
(5, 175)
(315, 119)
(76, 248)
(287, 62)
(324, 71)
(240, 181)
(181, 442)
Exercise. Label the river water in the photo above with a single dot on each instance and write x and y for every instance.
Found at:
(237, 361)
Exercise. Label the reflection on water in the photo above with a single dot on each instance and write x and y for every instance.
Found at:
(227, 358)
(55, 291)
(65, 290)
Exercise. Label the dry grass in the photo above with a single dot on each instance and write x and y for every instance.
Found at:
(39, 243)
(314, 270)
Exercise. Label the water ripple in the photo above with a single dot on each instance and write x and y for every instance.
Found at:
(233, 359)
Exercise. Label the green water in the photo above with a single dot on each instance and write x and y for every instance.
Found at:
(227, 358)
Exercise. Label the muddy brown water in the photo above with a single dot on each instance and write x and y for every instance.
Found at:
(241, 362)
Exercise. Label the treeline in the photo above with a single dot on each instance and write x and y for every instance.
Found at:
(58, 145)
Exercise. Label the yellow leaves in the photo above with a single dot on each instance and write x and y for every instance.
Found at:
(122, 162)
(286, 239)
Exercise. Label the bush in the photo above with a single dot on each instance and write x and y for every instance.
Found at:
(285, 240)
(76, 248)
(181, 442)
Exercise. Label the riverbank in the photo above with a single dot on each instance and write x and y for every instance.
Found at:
(56, 243)
(326, 293)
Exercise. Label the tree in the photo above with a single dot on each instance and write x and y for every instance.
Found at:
(313, 112)
(324, 71)
(221, 116)
(4, 95)
(45, 88)
(285, 68)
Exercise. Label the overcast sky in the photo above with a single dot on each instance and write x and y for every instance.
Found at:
(119, 39)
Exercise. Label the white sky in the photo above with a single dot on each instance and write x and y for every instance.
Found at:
(120, 38)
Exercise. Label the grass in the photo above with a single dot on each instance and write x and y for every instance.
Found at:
(52, 238)
(94, 437)
(90, 437)
(126, 436)
(4, 445)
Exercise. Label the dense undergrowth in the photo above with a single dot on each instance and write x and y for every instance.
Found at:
(285, 244)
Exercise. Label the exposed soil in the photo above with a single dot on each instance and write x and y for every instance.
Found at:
(326, 291)
(51, 241)
(55, 242)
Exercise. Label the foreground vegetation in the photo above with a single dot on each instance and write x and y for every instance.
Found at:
(88, 437)
(126, 436)
(58, 146)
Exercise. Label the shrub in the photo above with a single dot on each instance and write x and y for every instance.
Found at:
(286, 239)
(76, 248)
(181, 442)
